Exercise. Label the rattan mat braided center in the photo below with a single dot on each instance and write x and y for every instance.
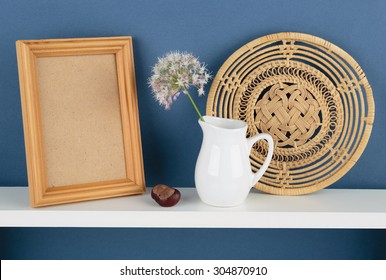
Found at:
(310, 95)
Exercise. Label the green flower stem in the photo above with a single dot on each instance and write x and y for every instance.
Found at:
(194, 104)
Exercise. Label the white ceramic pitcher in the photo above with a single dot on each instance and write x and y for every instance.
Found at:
(223, 173)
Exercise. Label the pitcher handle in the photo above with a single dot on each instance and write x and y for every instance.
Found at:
(252, 140)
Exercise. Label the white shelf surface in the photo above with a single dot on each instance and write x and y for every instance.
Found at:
(331, 208)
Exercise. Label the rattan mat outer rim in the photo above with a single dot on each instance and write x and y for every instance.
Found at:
(368, 120)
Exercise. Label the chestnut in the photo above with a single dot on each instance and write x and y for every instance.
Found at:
(165, 196)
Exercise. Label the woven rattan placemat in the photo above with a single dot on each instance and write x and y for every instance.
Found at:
(310, 95)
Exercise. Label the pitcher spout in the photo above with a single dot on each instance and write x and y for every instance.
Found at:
(222, 125)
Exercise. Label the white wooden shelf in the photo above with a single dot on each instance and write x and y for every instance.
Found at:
(331, 208)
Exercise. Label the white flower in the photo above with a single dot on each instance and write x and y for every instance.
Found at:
(207, 77)
(174, 73)
(195, 79)
(181, 82)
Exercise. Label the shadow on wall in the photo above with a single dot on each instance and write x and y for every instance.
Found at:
(70, 243)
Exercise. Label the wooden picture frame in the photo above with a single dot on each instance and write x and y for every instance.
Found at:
(80, 118)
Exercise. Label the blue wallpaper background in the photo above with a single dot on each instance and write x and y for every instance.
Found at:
(212, 30)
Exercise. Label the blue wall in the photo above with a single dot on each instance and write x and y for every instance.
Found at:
(171, 139)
